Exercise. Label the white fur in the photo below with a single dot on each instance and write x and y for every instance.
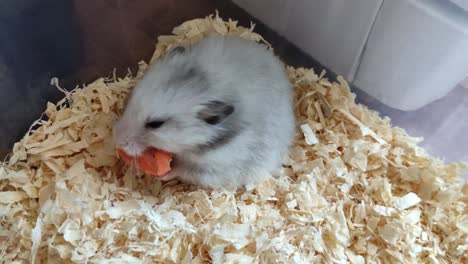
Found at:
(240, 71)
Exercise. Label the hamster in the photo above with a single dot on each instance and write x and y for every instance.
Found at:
(222, 106)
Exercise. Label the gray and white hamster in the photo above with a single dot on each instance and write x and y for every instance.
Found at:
(222, 106)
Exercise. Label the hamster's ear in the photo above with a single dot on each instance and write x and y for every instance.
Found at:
(176, 50)
(214, 112)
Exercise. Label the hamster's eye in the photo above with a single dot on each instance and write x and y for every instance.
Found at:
(213, 120)
(154, 124)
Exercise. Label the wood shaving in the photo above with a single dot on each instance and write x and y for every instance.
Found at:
(309, 135)
(353, 189)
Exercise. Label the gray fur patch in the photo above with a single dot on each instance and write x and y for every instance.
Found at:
(190, 78)
(227, 133)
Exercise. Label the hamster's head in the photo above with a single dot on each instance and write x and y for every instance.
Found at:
(172, 108)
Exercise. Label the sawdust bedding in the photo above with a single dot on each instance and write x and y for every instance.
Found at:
(354, 189)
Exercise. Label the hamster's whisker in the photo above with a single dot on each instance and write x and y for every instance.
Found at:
(135, 161)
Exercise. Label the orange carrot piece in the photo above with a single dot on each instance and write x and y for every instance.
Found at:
(153, 161)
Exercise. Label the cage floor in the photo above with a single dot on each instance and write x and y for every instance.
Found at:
(352, 189)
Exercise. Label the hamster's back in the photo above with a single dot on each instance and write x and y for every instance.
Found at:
(262, 93)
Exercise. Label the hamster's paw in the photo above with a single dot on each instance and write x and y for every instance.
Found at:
(169, 176)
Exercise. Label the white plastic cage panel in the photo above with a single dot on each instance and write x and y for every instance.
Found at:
(405, 53)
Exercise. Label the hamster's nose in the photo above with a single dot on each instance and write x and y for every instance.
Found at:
(121, 134)
(125, 139)
(133, 149)
(118, 133)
